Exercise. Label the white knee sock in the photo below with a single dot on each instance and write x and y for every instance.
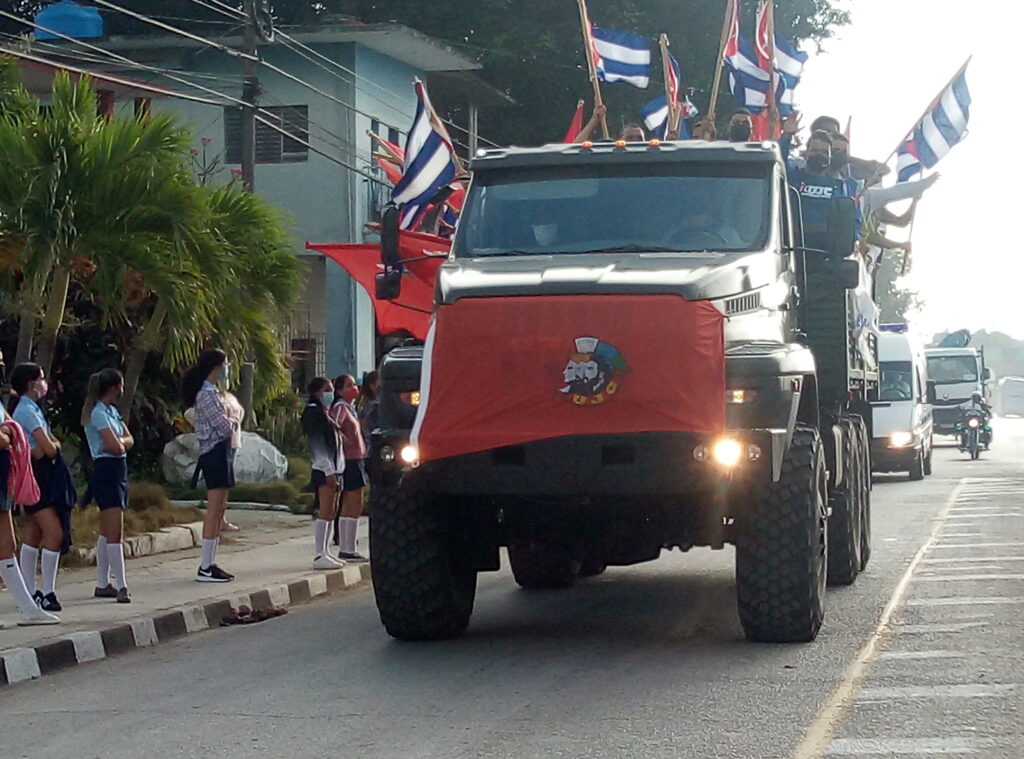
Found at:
(29, 557)
(115, 555)
(11, 574)
(102, 564)
(209, 552)
(320, 528)
(348, 534)
(50, 561)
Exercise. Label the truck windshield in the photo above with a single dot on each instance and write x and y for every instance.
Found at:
(682, 207)
(950, 370)
(896, 382)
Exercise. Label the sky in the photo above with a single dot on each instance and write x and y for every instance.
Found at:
(884, 70)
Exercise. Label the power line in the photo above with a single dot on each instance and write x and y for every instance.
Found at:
(167, 74)
(183, 96)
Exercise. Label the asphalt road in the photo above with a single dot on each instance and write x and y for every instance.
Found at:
(921, 657)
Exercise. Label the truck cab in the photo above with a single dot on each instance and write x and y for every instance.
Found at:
(635, 347)
(957, 373)
(901, 428)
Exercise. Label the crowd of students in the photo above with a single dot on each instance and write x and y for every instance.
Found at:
(36, 482)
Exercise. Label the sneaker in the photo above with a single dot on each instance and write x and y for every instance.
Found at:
(50, 603)
(325, 561)
(213, 573)
(108, 592)
(353, 558)
(229, 527)
(123, 597)
(37, 616)
(38, 598)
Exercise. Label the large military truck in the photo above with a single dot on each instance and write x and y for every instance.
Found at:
(635, 347)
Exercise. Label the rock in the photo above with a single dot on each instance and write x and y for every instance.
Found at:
(256, 461)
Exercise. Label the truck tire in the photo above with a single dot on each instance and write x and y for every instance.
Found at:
(592, 567)
(845, 521)
(928, 462)
(540, 566)
(865, 485)
(781, 549)
(422, 593)
(917, 467)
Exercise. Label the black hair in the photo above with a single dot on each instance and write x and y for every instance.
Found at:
(818, 125)
(839, 138)
(21, 377)
(315, 386)
(195, 377)
(99, 385)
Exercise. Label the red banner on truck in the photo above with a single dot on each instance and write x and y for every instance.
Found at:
(513, 370)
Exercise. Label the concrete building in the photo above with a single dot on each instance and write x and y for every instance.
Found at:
(363, 82)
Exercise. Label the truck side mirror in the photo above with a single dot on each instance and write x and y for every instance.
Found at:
(848, 273)
(986, 374)
(388, 285)
(930, 395)
(842, 227)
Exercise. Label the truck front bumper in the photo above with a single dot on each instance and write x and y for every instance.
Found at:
(599, 466)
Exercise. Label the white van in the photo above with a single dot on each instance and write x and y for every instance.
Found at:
(901, 423)
(1010, 397)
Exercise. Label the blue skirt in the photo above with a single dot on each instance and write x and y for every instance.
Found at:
(109, 482)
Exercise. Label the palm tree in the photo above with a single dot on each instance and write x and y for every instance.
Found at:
(74, 186)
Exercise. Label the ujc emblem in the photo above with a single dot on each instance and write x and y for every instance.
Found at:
(593, 373)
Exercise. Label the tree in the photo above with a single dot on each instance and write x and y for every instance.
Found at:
(74, 186)
(895, 303)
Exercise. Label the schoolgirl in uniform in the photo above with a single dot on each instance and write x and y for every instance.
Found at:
(109, 443)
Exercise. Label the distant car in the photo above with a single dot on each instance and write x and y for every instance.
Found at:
(1010, 397)
(901, 425)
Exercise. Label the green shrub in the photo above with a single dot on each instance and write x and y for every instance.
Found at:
(280, 423)
(299, 471)
(281, 492)
(147, 495)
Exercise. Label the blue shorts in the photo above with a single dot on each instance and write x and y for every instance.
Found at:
(217, 467)
(109, 482)
(354, 476)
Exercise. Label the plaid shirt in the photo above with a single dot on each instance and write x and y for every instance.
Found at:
(212, 423)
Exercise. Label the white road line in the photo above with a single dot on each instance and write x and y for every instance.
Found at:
(934, 654)
(948, 627)
(932, 571)
(913, 746)
(975, 545)
(971, 559)
(819, 734)
(965, 690)
(954, 517)
(961, 578)
(967, 601)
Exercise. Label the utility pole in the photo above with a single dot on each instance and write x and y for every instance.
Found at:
(258, 24)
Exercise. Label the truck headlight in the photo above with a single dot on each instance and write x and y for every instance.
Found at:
(410, 455)
(900, 439)
(727, 452)
(410, 399)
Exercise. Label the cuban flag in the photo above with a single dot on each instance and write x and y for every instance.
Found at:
(429, 161)
(748, 81)
(944, 126)
(655, 117)
(621, 57)
(789, 63)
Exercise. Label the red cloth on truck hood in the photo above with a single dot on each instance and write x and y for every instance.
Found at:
(512, 370)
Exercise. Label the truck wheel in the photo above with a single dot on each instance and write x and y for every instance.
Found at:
(844, 523)
(540, 566)
(781, 549)
(917, 467)
(928, 462)
(421, 590)
(865, 486)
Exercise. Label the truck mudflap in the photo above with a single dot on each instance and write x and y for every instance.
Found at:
(508, 371)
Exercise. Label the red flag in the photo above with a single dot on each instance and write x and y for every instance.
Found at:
(504, 371)
(393, 171)
(759, 129)
(576, 125)
(423, 256)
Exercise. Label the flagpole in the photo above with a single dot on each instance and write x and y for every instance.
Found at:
(726, 28)
(460, 167)
(931, 105)
(666, 67)
(773, 106)
(588, 45)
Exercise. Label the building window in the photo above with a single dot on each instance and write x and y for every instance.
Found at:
(394, 136)
(271, 145)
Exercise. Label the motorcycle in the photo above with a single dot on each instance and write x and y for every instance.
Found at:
(974, 432)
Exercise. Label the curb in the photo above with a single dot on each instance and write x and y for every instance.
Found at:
(176, 537)
(20, 664)
(238, 505)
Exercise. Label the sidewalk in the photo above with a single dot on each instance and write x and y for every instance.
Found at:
(271, 558)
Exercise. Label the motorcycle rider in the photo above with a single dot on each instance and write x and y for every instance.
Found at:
(978, 404)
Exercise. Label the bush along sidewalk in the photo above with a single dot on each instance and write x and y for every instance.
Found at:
(291, 492)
